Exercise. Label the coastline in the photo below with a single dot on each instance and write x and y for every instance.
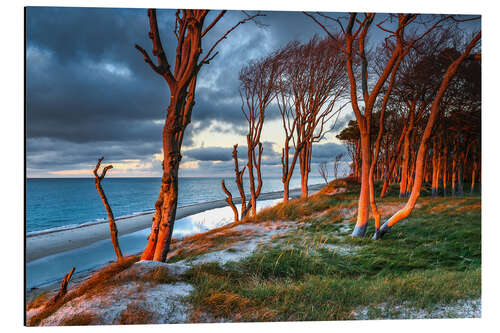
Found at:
(46, 243)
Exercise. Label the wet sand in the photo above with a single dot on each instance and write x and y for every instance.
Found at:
(47, 243)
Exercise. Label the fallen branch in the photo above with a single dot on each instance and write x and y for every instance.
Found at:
(63, 289)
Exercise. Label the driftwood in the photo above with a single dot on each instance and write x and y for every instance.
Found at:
(63, 289)
(111, 218)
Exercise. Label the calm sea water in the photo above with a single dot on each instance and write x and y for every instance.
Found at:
(61, 202)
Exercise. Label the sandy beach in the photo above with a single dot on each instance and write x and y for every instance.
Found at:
(47, 243)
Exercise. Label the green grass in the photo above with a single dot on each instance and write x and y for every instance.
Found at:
(434, 257)
(317, 271)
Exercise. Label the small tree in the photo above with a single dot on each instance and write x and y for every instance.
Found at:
(239, 182)
(312, 81)
(323, 171)
(336, 164)
(257, 81)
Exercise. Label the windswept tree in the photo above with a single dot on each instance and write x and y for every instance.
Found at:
(351, 140)
(426, 136)
(257, 84)
(190, 30)
(336, 164)
(257, 81)
(323, 171)
(353, 43)
(311, 84)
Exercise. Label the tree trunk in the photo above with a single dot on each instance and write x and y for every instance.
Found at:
(229, 201)
(111, 219)
(460, 181)
(473, 177)
(453, 176)
(286, 190)
(406, 154)
(172, 157)
(304, 160)
(364, 195)
(445, 169)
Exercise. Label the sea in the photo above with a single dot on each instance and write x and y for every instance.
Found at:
(58, 203)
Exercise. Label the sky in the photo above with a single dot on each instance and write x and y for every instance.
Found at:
(89, 93)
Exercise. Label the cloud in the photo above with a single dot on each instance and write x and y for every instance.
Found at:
(90, 93)
(88, 87)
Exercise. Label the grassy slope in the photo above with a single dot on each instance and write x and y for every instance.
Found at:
(432, 258)
(318, 272)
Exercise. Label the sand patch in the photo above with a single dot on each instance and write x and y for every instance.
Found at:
(459, 309)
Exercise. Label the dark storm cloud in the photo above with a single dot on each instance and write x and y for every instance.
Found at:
(225, 153)
(89, 92)
(209, 154)
(60, 155)
(326, 152)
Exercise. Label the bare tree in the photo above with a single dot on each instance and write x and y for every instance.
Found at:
(111, 218)
(190, 31)
(323, 171)
(239, 183)
(312, 81)
(336, 164)
(257, 82)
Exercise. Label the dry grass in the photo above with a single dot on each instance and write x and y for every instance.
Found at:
(136, 314)
(94, 285)
(349, 183)
(80, 319)
(39, 300)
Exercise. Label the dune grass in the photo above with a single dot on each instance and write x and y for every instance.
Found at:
(316, 271)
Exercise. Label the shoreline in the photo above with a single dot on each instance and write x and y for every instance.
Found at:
(50, 242)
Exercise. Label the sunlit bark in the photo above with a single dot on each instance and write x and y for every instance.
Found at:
(111, 219)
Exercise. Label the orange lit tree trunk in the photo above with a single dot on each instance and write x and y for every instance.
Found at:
(422, 150)
(445, 168)
(111, 219)
(406, 152)
(374, 159)
(453, 176)
(473, 177)
(393, 161)
(364, 120)
(189, 32)
(239, 183)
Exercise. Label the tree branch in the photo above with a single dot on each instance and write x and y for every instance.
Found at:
(208, 55)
